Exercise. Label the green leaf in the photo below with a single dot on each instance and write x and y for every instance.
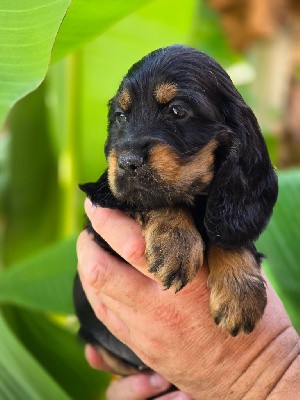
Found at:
(32, 202)
(85, 20)
(43, 282)
(280, 243)
(27, 33)
(60, 352)
(21, 377)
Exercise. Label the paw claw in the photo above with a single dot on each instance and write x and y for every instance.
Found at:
(218, 318)
(235, 331)
(154, 267)
(181, 285)
(248, 327)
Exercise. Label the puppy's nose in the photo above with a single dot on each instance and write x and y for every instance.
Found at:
(130, 162)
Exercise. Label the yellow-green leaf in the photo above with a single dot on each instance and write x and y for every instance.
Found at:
(27, 33)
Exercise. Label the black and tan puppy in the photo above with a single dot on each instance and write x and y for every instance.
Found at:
(187, 159)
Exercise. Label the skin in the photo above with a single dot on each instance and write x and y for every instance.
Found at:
(174, 333)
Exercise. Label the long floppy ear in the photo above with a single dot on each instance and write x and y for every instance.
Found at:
(244, 189)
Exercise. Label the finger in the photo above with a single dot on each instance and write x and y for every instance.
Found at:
(99, 271)
(137, 387)
(123, 234)
(103, 274)
(113, 322)
(94, 358)
(177, 395)
(122, 321)
(114, 226)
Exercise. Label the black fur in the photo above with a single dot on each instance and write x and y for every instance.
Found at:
(230, 211)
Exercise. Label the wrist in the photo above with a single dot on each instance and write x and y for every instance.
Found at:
(289, 385)
(254, 367)
(268, 370)
(275, 351)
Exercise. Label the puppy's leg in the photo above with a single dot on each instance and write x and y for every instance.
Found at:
(238, 293)
(174, 247)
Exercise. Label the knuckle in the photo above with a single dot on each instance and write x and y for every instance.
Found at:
(150, 351)
(134, 252)
(96, 275)
(170, 316)
(120, 331)
(152, 360)
(91, 276)
(100, 311)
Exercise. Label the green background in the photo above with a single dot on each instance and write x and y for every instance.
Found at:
(64, 60)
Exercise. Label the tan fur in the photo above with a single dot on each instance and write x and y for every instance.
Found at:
(124, 99)
(238, 296)
(171, 170)
(164, 92)
(117, 366)
(173, 241)
(112, 167)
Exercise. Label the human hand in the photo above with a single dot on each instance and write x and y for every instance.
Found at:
(135, 387)
(174, 333)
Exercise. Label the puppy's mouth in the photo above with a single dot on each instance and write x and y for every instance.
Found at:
(136, 182)
(162, 178)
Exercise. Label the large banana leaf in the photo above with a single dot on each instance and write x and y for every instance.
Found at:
(281, 244)
(27, 33)
(44, 281)
(85, 20)
(60, 352)
(21, 376)
(32, 203)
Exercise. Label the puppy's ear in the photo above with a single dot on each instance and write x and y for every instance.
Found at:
(244, 189)
(99, 192)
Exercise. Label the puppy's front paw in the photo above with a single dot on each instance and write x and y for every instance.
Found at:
(174, 247)
(238, 306)
(238, 293)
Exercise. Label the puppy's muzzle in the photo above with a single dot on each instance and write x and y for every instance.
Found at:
(130, 162)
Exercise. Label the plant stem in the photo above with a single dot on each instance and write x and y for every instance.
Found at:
(70, 154)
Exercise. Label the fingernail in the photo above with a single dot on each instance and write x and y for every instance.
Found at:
(157, 381)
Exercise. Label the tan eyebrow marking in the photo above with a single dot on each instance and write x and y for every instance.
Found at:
(164, 92)
(124, 99)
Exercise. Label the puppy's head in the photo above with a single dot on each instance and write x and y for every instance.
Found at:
(164, 129)
(179, 128)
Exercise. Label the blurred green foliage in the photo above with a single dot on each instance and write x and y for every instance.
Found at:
(53, 139)
(280, 242)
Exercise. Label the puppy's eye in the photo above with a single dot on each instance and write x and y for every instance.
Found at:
(178, 112)
(120, 117)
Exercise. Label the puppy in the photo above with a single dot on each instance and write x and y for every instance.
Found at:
(187, 159)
